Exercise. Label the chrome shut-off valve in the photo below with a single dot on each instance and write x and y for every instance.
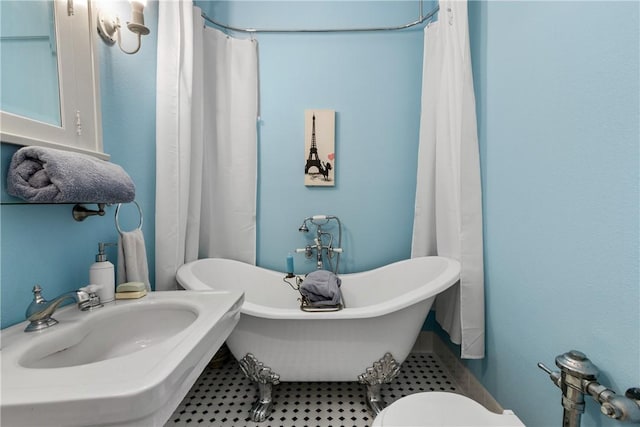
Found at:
(577, 378)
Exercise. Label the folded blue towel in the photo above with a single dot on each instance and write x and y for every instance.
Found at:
(321, 287)
(47, 175)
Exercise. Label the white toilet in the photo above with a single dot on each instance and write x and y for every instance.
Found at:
(442, 409)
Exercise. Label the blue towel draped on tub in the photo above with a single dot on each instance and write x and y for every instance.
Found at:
(321, 287)
(47, 175)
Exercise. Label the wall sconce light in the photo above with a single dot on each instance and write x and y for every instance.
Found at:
(109, 26)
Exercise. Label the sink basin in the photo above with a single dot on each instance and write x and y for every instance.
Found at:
(128, 363)
(108, 336)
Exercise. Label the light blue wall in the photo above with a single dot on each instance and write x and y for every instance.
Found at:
(42, 243)
(372, 81)
(558, 108)
(557, 94)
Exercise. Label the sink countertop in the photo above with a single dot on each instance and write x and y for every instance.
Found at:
(134, 388)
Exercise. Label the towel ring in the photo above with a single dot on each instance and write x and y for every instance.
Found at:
(118, 211)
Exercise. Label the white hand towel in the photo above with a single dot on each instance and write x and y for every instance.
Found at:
(132, 258)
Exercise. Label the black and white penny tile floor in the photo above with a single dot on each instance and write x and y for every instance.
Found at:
(222, 397)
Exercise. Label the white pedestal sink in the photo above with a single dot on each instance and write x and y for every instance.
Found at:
(128, 363)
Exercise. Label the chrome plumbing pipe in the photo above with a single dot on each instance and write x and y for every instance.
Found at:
(577, 378)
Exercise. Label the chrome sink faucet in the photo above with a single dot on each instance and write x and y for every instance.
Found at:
(40, 310)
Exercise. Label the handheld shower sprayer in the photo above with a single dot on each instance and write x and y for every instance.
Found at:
(305, 229)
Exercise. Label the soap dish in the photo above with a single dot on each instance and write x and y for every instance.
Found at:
(131, 290)
(130, 295)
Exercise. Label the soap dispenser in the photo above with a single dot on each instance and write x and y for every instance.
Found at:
(102, 273)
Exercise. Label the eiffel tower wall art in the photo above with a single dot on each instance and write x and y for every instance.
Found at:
(319, 144)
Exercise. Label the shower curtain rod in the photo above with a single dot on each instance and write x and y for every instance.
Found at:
(419, 21)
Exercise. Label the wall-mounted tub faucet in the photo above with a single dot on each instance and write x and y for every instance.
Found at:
(577, 377)
(321, 245)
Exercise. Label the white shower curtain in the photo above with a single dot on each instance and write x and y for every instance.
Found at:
(206, 137)
(448, 211)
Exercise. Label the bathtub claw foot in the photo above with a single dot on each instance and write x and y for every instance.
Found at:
(265, 378)
(383, 372)
(262, 408)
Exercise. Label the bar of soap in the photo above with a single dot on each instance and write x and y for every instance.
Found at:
(130, 295)
(131, 287)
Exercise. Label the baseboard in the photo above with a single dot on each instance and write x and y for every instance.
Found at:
(429, 342)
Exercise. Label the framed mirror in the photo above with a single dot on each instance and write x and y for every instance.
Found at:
(49, 75)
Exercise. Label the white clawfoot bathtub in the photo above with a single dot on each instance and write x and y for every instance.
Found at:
(385, 309)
